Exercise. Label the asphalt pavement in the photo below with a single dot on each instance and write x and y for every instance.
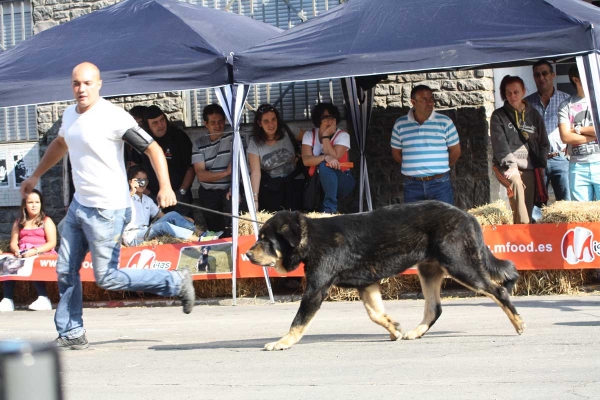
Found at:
(472, 352)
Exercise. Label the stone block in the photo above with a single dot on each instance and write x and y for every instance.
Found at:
(449, 85)
(461, 74)
(42, 13)
(78, 12)
(379, 102)
(395, 88)
(437, 75)
(382, 89)
(416, 77)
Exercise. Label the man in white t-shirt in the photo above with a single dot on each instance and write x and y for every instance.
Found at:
(577, 131)
(94, 132)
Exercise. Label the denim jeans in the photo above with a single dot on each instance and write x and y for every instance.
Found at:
(172, 223)
(336, 185)
(99, 231)
(435, 189)
(557, 174)
(584, 181)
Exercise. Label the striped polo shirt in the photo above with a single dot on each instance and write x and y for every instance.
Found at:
(424, 147)
(216, 157)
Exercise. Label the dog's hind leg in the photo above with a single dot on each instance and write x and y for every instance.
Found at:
(431, 276)
(371, 297)
(497, 293)
(310, 304)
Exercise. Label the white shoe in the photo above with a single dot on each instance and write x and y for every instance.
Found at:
(41, 304)
(7, 305)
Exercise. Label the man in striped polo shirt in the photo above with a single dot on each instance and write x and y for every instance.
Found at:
(211, 157)
(426, 145)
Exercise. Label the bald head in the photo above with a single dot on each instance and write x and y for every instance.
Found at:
(86, 84)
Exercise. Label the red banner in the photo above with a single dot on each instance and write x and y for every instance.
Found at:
(530, 247)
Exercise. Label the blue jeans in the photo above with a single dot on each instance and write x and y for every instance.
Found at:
(584, 181)
(557, 174)
(99, 231)
(435, 189)
(172, 223)
(336, 185)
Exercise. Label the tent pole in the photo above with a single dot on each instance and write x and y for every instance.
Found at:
(588, 71)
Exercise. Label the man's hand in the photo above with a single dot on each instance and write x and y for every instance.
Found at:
(228, 195)
(166, 198)
(28, 185)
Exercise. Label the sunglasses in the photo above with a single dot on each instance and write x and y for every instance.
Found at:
(326, 117)
(265, 108)
(543, 73)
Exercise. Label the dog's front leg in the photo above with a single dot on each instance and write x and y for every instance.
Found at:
(310, 304)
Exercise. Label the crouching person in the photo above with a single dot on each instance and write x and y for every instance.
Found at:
(144, 209)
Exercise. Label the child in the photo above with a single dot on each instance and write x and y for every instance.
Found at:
(32, 234)
(143, 209)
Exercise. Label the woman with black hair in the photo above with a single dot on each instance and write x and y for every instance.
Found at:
(324, 148)
(276, 182)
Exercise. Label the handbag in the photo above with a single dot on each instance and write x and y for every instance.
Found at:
(312, 196)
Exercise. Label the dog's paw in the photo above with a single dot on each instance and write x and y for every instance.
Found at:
(412, 335)
(395, 335)
(276, 346)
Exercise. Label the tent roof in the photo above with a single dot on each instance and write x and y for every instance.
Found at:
(140, 46)
(366, 37)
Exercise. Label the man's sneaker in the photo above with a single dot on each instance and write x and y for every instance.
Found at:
(79, 343)
(187, 294)
(7, 305)
(41, 304)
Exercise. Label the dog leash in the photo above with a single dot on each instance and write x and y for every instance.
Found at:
(218, 212)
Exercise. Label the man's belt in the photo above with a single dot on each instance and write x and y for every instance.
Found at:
(551, 155)
(426, 178)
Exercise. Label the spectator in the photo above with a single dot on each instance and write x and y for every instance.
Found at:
(518, 134)
(426, 145)
(177, 148)
(324, 147)
(32, 234)
(546, 101)
(276, 182)
(577, 131)
(212, 162)
(144, 209)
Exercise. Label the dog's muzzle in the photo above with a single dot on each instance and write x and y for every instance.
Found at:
(253, 260)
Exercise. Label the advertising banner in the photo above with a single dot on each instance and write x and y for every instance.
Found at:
(530, 247)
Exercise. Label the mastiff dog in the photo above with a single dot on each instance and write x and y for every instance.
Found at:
(359, 250)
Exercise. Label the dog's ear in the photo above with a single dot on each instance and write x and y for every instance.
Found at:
(291, 230)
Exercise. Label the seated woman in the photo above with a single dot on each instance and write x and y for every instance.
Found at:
(513, 164)
(143, 209)
(276, 183)
(325, 146)
(32, 234)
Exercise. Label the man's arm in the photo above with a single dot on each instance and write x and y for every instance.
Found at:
(55, 152)
(397, 155)
(569, 136)
(208, 176)
(165, 197)
(454, 153)
(188, 179)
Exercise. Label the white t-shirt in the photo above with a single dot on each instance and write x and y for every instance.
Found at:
(141, 211)
(95, 141)
(575, 111)
(339, 138)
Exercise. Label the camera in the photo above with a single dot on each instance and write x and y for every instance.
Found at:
(142, 182)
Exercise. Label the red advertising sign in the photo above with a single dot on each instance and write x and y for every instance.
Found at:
(530, 247)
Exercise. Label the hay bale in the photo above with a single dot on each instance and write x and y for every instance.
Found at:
(536, 283)
(496, 213)
(571, 211)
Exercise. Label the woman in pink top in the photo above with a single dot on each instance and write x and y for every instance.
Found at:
(32, 234)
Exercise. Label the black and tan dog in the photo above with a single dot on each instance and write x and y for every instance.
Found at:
(358, 250)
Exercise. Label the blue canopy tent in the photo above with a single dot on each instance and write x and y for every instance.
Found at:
(140, 46)
(365, 37)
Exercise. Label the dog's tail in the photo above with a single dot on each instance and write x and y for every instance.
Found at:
(503, 271)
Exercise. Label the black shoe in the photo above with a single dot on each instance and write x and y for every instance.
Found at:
(79, 343)
(187, 294)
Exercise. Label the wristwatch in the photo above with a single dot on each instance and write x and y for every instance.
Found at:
(182, 191)
(578, 129)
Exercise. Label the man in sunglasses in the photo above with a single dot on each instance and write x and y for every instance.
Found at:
(546, 101)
